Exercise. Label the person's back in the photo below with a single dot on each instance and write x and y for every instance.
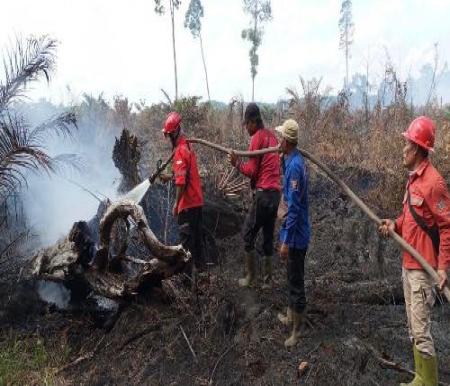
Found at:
(295, 188)
(268, 175)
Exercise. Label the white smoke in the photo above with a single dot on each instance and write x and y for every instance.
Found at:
(52, 203)
(54, 293)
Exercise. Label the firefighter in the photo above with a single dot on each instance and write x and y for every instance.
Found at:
(189, 196)
(264, 174)
(425, 224)
(295, 232)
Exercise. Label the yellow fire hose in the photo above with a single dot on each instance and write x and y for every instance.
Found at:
(397, 238)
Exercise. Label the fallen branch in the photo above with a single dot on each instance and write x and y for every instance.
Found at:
(384, 363)
(189, 343)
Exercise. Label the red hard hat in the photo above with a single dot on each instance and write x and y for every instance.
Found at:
(422, 131)
(172, 122)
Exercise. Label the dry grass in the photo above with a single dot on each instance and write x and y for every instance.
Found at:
(368, 140)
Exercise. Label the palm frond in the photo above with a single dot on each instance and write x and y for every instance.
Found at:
(22, 148)
(26, 62)
(68, 162)
(18, 152)
(61, 125)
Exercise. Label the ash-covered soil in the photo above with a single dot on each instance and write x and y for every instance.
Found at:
(224, 335)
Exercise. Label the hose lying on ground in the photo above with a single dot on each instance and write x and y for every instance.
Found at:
(397, 238)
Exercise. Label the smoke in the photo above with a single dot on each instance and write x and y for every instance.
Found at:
(54, 293)
(53, 203)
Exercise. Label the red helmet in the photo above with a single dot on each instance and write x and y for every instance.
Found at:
(422, 131)
(172, 123)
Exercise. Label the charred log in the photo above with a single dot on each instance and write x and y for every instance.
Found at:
(70, 260)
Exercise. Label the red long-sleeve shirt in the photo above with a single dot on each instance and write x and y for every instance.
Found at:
(184, 166)
(431, 201)
(264, 169)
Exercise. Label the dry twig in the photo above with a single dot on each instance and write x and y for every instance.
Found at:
(81, 358)
(189, 343)
(218, 361)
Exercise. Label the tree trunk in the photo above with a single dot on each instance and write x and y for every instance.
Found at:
(204, 66)
(172, 15)
(346, 58)
(366, 101)
(69, 260)
(254, 32)
(346, 67)
(253, 88)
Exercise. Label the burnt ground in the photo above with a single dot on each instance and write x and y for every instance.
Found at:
(356, 315)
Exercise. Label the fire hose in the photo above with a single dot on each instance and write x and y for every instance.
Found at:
(396, 237)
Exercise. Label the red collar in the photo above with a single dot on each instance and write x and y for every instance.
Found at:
(420, 170)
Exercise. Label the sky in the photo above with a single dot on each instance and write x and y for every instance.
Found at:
(119, 47)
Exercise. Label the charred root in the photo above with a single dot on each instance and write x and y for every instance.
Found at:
(107, 270)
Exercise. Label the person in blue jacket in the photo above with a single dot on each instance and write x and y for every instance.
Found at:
(295, 232)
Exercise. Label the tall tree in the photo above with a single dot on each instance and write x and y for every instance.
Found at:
(161, 10)
(260, 12)
(346, 28)
(193, 22)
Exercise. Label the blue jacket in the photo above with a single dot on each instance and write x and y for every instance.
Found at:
(296, 229)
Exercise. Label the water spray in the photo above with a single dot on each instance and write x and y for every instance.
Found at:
(138, 192)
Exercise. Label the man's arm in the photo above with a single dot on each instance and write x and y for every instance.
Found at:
(179, 193)
(440, 207)
(394, 225)
(180, 167)
(296, 187)
(250, 167)
(167, 174)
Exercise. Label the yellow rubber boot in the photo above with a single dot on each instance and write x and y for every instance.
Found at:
(429, 370)
(249, 279)
(285, 319)
(417, 381)
(295, 335)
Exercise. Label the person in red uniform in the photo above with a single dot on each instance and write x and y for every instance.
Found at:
(425, 224)
(189, 196)
(264, 174)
